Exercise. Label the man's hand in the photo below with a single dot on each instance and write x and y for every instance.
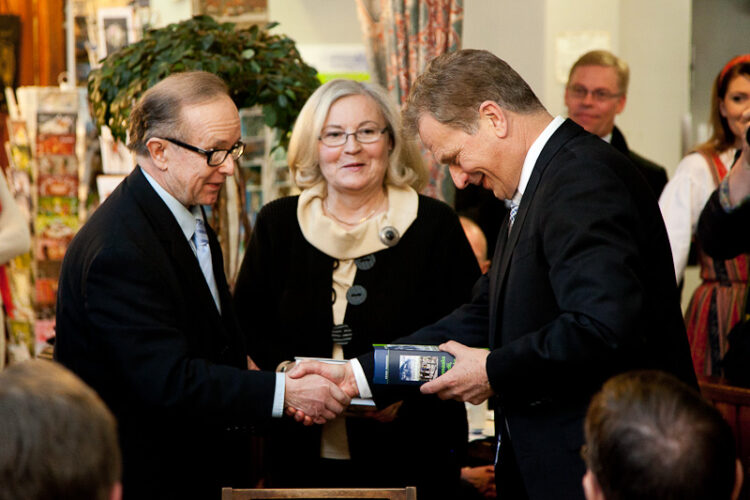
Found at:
(340, 374)
(467, 380)
(482, 478)
(316, 398)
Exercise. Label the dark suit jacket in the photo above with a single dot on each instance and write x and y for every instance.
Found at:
(655, 175)
(723, 235)
(583, 288)
(136, 321)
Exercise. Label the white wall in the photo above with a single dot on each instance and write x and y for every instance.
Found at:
(164, 12)
(655, 40)
(316, 21)
(513, 31)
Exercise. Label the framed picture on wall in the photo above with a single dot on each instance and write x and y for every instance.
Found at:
(242, 12)
(115, 29)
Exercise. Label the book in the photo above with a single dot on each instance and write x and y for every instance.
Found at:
(405, 364)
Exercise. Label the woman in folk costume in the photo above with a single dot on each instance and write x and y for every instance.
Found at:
(719, 302)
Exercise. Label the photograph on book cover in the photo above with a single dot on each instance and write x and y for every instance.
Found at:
(418, 368)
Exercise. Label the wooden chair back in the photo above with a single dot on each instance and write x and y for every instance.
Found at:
(408, 493)
(734, 404)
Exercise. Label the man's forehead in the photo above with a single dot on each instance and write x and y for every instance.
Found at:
(593, 73)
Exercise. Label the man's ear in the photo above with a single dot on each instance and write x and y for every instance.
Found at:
(496, 117)
(591, 487)
(157, 149)
(621, 104)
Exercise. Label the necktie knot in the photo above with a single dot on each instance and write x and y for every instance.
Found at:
(513, 212)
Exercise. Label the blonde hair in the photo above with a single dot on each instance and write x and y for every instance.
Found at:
(608, 60)
(405, 165)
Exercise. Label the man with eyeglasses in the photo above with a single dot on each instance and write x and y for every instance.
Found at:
(144, 313)
(596, 92)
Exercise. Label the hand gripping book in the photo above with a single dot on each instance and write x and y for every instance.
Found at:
(405, 364)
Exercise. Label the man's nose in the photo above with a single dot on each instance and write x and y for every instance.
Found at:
(460, 178)
(227, 166)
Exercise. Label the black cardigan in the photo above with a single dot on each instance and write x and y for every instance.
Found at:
(283, 299)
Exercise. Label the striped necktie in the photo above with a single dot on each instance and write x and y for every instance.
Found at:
(203, 252)
(513, 212)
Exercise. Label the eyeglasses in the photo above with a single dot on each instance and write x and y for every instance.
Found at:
(599, 95)
(364, 135)
(214, 157)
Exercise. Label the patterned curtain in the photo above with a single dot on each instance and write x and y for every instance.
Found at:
(401, 37)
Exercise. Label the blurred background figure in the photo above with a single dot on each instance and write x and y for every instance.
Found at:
(595, 94)
(477, 241)
(358, 258)
(650, 436)
(15, 239)
(57, 438)
(718, 302)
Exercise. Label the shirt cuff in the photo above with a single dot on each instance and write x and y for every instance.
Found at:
(278, 396)
(359, 377)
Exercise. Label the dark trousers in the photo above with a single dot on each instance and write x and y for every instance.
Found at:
(507, 474)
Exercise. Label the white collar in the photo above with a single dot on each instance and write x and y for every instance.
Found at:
(532, 156)
(185, 218)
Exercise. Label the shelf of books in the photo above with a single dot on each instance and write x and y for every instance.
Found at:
(45, 151)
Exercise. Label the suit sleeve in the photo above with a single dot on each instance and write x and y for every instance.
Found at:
(135, 321)
(589, 259)
(721, 234)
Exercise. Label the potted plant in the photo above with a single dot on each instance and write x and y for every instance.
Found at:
(259, 68)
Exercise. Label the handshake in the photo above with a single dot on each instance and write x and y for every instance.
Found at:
(317, 392)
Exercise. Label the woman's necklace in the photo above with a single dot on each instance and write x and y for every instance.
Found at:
(347, 223)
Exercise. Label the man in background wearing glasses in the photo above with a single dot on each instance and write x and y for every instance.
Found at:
(144, 314)
(596, 92)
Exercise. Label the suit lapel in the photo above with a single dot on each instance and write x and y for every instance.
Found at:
(173, 240)
(561, 136)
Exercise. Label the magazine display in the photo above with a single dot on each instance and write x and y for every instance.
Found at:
(406, 364)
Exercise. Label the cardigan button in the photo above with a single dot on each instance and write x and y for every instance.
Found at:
(365, 263)
(341, 334)
(356, 295)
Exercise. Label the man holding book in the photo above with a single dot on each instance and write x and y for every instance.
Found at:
(581, 287)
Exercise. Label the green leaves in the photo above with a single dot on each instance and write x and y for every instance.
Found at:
(260, 69)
